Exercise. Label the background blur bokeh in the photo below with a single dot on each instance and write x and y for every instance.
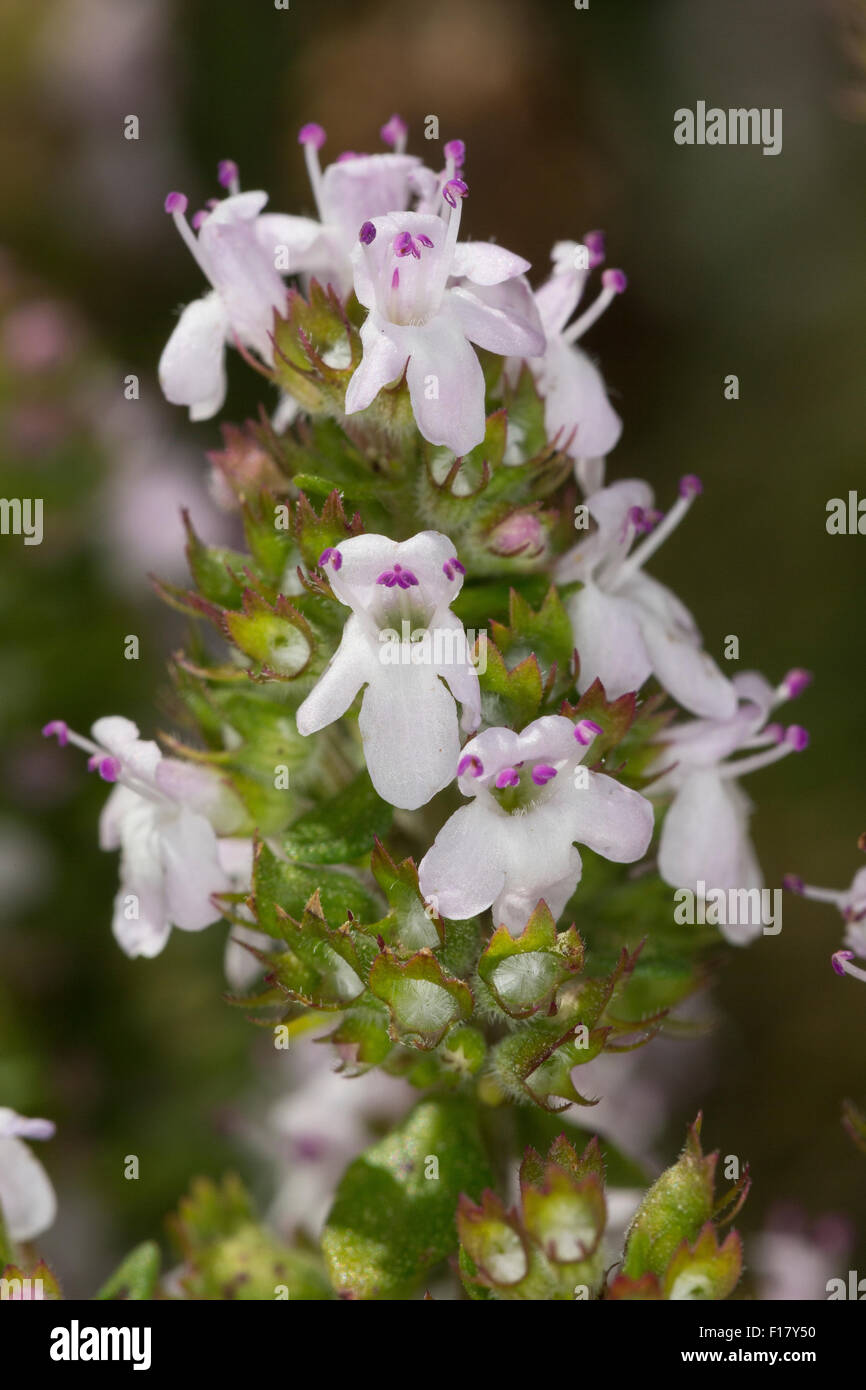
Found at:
(737, 263)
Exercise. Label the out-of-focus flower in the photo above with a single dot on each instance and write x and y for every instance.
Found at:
(851, 902)
(705, 835)
(794, 1258)
(626, 625)
(161, 816)
(408, 720)
(514, 843)
(27, 1199)
(416, 321)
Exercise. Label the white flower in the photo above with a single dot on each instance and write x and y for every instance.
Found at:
(851, 903)
(514, 844)
(705, 835)
(577, 412)
(161, 816)
(27, 1199)
(236, 250)
(626, 625)
(398, 590)
(417, 321)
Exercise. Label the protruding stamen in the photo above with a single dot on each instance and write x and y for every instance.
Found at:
(395, 133)
(585, 730)
(455, 158)
(176, 204)
(312, 137)
(331, 553)
(454, 191)
(795, 740)
(792, 883)
(594, 243)
(613, 283)
(508, 777)
(367, 234)
(797, 737)
(57, 728)
(229, 176)
(841, 963)
(794, 684)
(107, 767)
(471, 764)
(453, 567)
(405, 245)
(197, 218)
(690, 488)
(542, 773)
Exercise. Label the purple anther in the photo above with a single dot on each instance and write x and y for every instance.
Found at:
(508, 777)
(311, 134)
(691, 485)
(227, 173)
(585, 730)
(469, 763)
(542, 773)
(454, 189)
(107, 767)
(452, 568)
(393, 131)
(792, 883)
(331, 553)
(837, 958)
(404, 245)
(615, 280)
(424, 240)
(796, 681)
(197, 218)
(59, 729)
(455, 150)
(367, 233)
(176, 202)
(797, 737)
(594, 243)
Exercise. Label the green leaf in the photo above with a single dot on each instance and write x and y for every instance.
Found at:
(391, 1223)
(342, 829)
(510, 697)
(218, 573)
(136, 1276)
(545, 633)
(289, 887)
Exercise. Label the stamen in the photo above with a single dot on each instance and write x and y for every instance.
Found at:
(508, 777)
(404, 245)
(59, 728)
(455, 158)
(397, 575)
(108, 767)
(794, 684)
(176, 204)
(841, 963)
(470, 763)
(542, 773)
(197, 218)
(690, 487)
(395, 133)
(452, 568)
(792, 883)
(229, 176)
(585, 730)
(331, 553)
(613, 282)
(367, 233)
(594, 243)
(795, 740)
(454, 192)
(312, 137)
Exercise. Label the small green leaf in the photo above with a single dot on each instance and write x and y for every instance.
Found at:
(393, 1219)
(342, 829)
(289, 887)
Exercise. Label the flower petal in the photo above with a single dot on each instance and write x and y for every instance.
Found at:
(382, 363)
(458, 670)
(446, 385)
(464, 870)
(352, 664)
(576, 407)
(613, 820)
(685, 670)
(486, 263)
(408, 724)
(369, 186)
(497, 327)
(608, 639)
(192, 365)
(190, 862)
(705, 837)
(27, 1198)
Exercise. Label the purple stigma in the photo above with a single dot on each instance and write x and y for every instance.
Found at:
(585, 730)
(469, 763)
(796, 681)
(57, 728)
(455, 150)
(594, 243)
(176, 202)
(454, 189)
(393, 131)
(367, 233)
(542, 773)
(691, 485)
(837, 958)
(615, 280)
(508, 777)
(792, 883)
(227, 172)
(311, 134)
(797, 737)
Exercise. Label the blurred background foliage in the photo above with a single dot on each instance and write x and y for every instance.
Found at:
(738, 263)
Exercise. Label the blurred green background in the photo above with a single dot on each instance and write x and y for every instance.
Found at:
(737, 263)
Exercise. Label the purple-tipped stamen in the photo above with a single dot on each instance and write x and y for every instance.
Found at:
(397, 575)
(792, 883)
(508, 777)
(454, 189)
(311, 134)
(542, 773)
(585, 730)
(455, 151)
(594, 243)
(691, 486)
(452, 568)
(795, 683)
(107, 767)
(394, 133)
(615, 280)
(59, 729)
(471, 764)
(227, 173)
(404, 245)
(176, 203)
(367, 233)
(331, 553)
(797, 737)
(197, 218)
(424, 240)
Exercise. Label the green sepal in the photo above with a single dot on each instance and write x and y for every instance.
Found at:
(136, 1277)
(218, 573)
(544, 633)
(423, 1001)
(323, 967)
(390, 1224)
(523, 973)
(510, 697)
(361, 1037)
(276, 636)
(310, 329)
(315, 531)
(704, 1269)
(281, 889)
(49, 1290)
